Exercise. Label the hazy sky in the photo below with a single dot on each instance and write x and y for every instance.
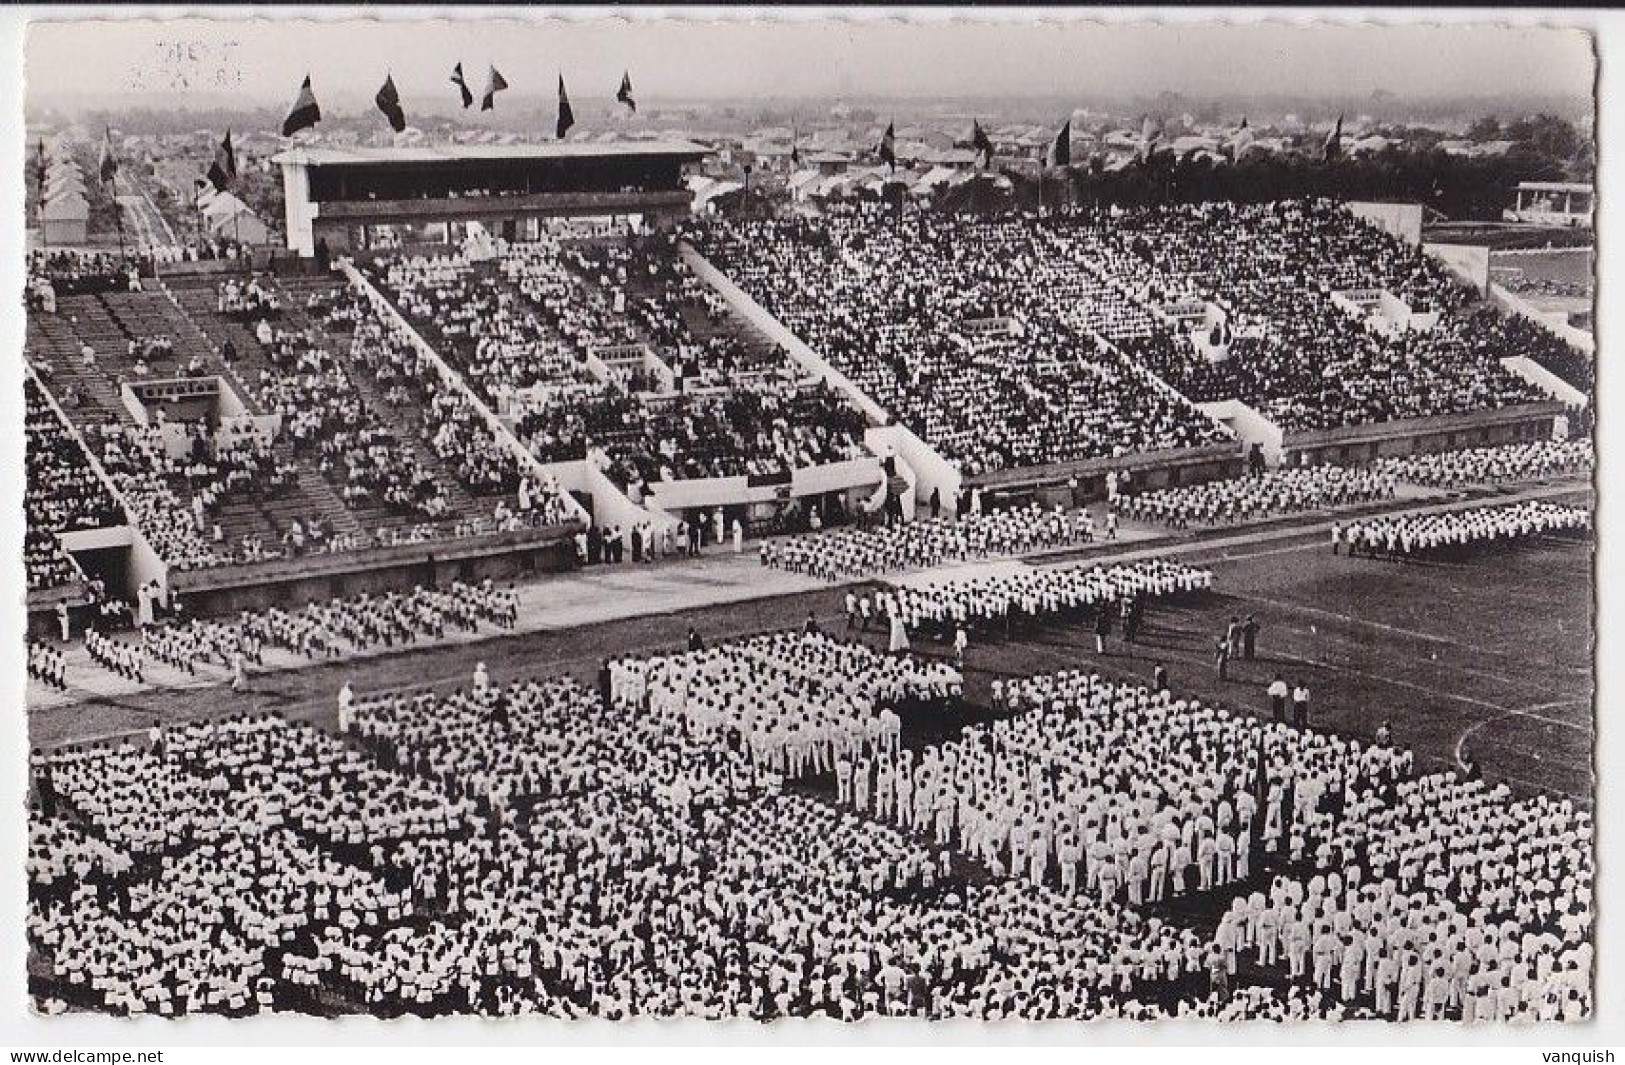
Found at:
(262, 61)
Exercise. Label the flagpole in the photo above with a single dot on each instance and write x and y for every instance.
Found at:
(118, 215)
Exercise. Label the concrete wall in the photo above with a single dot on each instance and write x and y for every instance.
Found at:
(1403, 220)
(1250, 427)
(923, 466)
(1555, 321)
(1467, 263)
(297, 211)
(1546, 381)
(1413, 436)
(426, 568)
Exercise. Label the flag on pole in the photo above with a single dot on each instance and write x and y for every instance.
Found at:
(494, 84)
(304, 114)
(795, 147)
(109, 162)
(1150, 137)
(888, 146)
(39, 161)
(567, 117)
(389, 102)
(223, 171)
(462, 86)
(1333, 148)
(624, 95)
(1059, 152)
(980, 143)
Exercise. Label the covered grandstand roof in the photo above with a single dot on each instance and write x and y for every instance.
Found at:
(451, 153)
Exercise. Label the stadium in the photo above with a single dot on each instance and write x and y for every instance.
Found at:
(514, 587)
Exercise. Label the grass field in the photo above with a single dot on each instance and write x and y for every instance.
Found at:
(1491, 651)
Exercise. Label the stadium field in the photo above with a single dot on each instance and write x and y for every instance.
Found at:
(1488, 653)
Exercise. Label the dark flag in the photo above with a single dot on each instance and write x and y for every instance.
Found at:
(567, 117)
(888, 146)
(795, 152)
(624, 95)
(223, 171)
(1333, 148)
(462, 86)
(980, 143)
(305, 113)
(389, 102)
(493, 85)
(1059, 152)
(109, 162)
(40, 162)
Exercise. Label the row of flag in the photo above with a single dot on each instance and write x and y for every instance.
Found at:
(1059, 151)
(305, 112)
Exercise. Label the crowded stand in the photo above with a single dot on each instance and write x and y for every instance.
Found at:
(352, 447)
(1413, 535)
(525, 332)
(1517, 335)
(62, 493)
(682, 317)
(477, 324)
(1502, 464)
(844, 822)
(453, 429)
(891, 303)
(1286, 346)
(1261, 495)
(130, 455)
(862, 552)
(58, 272)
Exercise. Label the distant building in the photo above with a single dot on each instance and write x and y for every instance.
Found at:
(1475, 149)
(229, 218)
(1553, 203)
(65, 220)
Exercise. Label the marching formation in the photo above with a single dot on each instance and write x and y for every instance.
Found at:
(1494, 465)
(1261, 495)
(1011, 601)
(1402, 536)
(864, 552)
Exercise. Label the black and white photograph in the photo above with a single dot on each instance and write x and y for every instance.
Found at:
(831, 518)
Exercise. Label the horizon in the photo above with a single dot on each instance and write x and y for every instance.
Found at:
(195, 64)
